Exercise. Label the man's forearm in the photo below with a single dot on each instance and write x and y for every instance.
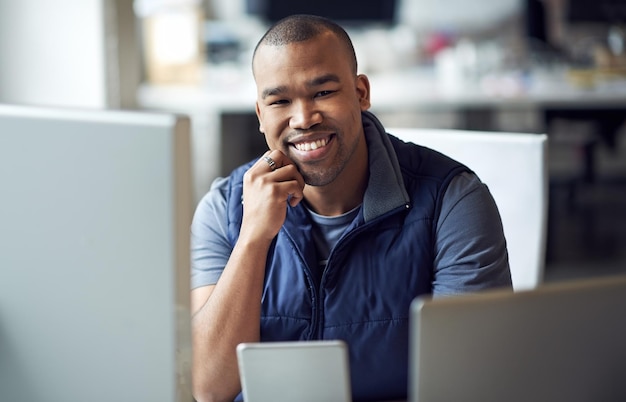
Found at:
(230, 316)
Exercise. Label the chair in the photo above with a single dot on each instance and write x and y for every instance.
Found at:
(514, 167)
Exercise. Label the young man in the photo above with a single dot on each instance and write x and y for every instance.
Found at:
(336, 229)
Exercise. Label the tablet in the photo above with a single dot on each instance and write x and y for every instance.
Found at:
(303, 371)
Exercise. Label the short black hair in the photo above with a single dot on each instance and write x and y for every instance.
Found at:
(302, 27)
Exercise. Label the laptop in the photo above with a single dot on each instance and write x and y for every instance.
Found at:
(560, 342)
(303, 371)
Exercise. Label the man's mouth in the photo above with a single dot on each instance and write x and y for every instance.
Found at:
(306, 146)
(309, 146)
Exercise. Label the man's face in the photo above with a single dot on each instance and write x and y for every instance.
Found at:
(309, 104)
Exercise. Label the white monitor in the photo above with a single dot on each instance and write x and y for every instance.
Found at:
(94, 256)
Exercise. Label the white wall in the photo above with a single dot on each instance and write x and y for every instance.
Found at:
(60, 52)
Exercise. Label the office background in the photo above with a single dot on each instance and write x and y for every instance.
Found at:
(193, 57)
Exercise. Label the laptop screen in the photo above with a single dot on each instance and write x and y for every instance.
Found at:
(560, 342)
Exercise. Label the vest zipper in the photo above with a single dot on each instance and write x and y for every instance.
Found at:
(343, 240)
(312, 289)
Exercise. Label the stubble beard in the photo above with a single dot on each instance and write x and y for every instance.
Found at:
(319, 176)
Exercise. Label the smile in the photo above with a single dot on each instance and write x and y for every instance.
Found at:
(311, 145)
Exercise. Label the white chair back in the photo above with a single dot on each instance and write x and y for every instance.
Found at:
(514, 167)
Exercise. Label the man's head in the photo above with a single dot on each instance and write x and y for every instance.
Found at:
(310, 98)
(299, 28)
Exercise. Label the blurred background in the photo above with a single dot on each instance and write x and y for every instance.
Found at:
(539, 66)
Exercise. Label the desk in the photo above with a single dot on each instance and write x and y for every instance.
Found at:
(225, 130)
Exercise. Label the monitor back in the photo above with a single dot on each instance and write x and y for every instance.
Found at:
(560, 342)
(94, 256)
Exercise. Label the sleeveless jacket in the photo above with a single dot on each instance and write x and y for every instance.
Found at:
(382, 262)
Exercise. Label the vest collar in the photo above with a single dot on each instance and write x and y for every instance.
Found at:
(385, 190)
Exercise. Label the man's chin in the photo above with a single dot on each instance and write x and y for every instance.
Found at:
(315, 179)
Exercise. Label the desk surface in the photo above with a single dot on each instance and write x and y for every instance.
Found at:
(232, 90)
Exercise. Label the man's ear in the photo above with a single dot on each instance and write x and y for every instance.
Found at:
(258, 116)
(363, 91)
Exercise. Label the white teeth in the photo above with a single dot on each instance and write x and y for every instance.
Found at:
(308, 146)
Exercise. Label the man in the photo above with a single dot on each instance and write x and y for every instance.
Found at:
(336, 229)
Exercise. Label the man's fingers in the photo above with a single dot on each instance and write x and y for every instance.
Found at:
(290, 191)
(270, 162)
(278, 158)
(276, 169)
(294, 199)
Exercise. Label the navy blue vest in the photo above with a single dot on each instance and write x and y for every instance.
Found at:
(374, 272)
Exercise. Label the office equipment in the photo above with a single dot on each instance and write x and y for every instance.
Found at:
(456, 18)
(514, 167)
(347, 12)
(94, 256)
(559, 342)
(598, 11)
(303, 371)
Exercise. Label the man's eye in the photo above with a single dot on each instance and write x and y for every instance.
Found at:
(279, 102)
(323, 93)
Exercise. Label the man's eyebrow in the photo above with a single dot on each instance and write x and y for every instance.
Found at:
(321, 80)
(273, 91)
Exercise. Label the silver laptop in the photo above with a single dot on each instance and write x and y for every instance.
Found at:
(303, 371)
(561, 342)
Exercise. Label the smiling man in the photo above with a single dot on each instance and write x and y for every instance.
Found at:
(336, 228)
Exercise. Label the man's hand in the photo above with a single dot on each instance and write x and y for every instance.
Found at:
(267, 189)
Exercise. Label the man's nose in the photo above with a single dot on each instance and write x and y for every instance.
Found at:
(305, 115)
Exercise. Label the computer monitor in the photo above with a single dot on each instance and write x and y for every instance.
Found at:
(596, 11)
(350, 13)
(94, 256)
